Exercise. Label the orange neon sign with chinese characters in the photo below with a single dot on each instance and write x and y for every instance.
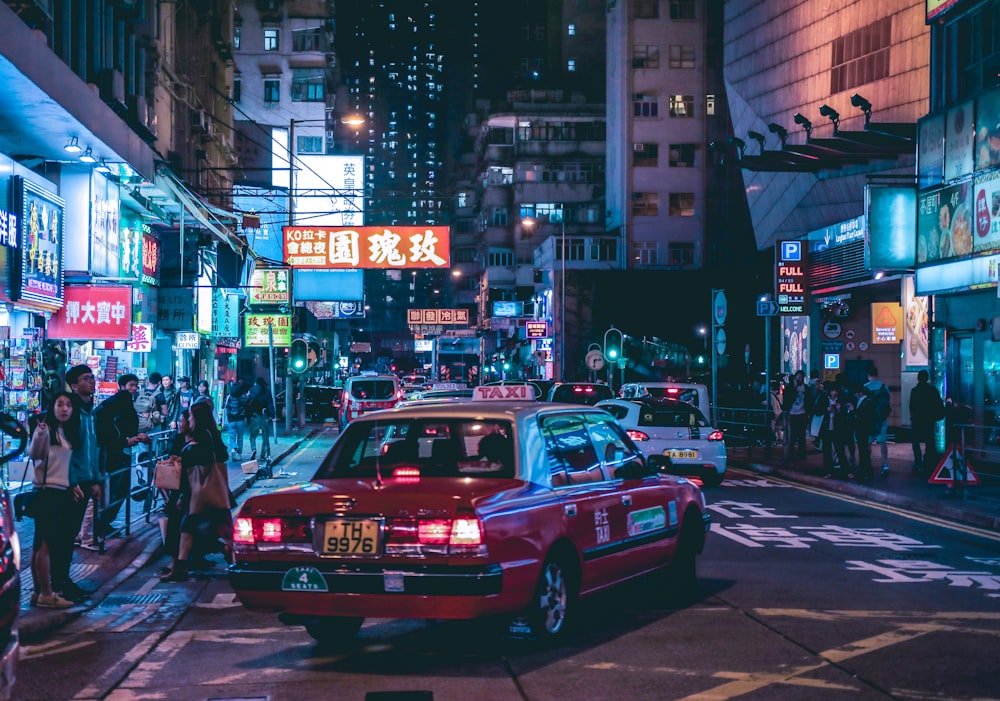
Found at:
(382, 247)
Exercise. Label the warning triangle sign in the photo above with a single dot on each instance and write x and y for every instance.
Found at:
(949, 466)
(885, 318)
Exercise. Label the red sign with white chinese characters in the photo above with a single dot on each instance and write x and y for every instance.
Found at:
(367, 247)
(94, 312)
(150, 259)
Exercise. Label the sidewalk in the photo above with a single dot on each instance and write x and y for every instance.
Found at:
(978, 505)
(103, 572)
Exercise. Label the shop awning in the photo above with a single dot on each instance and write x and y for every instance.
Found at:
(216, 220)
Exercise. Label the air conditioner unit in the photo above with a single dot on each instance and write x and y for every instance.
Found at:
(638, 148)
(200, 121)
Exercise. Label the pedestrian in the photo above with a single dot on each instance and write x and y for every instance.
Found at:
(797, 405)
(878, 392)
(260, 410)
(926, 408)
(205, 489)
(236, 419)
(777, 418)
(864, 426)
(145, 404)
(819, 415)
(169, 401)
(85, 472)
(835, 433)
(56, 436)
(175, 503)
(117, 433)
(843, 383)
(203, 394)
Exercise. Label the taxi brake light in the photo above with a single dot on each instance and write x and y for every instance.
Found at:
(716, 435)
(673, 390)
(243, 530)
(269, 530)
(406, 475)
(433, 532)
(466, 532)
(637, 435)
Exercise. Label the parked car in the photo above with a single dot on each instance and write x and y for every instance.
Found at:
(365, 393)
(322, 403)
(10, 556)
(588, 393)
(676, 430)
(514, 509)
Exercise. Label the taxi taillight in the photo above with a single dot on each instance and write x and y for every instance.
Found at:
(257, 531)
(444, 536)
(716, 435)
(637, 435)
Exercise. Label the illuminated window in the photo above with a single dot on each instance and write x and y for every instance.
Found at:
(682, 106)
(681, 204)
(271, 39)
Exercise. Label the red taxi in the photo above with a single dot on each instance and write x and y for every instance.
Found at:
(466, 510)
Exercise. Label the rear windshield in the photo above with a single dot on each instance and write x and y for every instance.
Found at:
(685, 395)
(373, 389)
(434, 447)
(687, 417)
(581, 394)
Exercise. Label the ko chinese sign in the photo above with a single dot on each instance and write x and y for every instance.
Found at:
(437, 316)
(255, 329)
(367, 247)
(36, 275)
(94, 312)
(268, 286)
(790, 278)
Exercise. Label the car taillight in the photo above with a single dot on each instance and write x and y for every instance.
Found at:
(637, 435)
(271, 533)
(716, 435)
(458, 536)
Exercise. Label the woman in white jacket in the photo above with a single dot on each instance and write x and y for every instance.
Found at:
(51, 447)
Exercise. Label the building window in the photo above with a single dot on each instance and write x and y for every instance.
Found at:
(571, 29)
(682, 9)
(310, 39)
(682, 155)
(237, 89)
(710, 105)
(681, 56)
(500, 257)
(645, 155)
(272, 90)
(862, 56)
(308, 144)
(645, 204)
(682, 106)
(604, 249)
(644, 252)
(549, 211)
(307, 85)
(645, 105)
(270, 39)
(571, 65)
(236, 36)
(681, 204)
(680, 254)
(525, 31)
(646, 9)
(499, 217)
(646, 56)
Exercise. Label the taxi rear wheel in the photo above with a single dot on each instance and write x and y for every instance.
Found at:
(554, 604)
(330, 630)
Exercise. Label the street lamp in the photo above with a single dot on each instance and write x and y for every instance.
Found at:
(528, 222)
(703, 332)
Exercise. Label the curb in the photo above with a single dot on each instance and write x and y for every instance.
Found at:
(943, 508)
(146, 545)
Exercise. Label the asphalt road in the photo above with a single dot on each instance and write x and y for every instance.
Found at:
(802, 596)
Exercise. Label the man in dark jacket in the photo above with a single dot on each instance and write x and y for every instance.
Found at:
(117, 433)
(797, 403)
(926, 408)
(260, 409)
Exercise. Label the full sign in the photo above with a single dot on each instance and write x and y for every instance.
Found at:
(330, 247)
(790, 278)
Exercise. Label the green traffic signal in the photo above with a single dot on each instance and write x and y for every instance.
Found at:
(612, 344)
(298, 355)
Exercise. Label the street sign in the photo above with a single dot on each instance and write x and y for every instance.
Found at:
(720, 307)
(595, 360)
(767, 308)
(831, 361)
(948, 472)
(720, 341)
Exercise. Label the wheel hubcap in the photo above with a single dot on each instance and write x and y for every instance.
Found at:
(553, 598)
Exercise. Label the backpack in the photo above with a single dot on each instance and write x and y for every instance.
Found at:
(147, 409)
(882, 406)
(236, 408)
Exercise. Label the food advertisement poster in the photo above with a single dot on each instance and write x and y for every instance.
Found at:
(987, 216)
(944, 223)
(959, 135)
(915, 327)
(988, 130)
(795, 344)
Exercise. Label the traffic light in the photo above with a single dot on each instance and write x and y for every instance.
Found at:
(314, 353)
(298, 355)
(612, 345)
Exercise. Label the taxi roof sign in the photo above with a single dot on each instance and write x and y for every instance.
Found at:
(504, 393)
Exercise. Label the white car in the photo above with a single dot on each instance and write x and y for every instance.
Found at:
(675, 429)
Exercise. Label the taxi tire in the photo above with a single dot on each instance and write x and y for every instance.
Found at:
(682, 574)
(333, 630)
(553, 609)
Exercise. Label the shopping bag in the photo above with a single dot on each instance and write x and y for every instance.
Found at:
(167, 474)
(817, 423)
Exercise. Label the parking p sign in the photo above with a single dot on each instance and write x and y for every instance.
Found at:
(831, 361)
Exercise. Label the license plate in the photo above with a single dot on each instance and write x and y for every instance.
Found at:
(681, 454)
(344, 537)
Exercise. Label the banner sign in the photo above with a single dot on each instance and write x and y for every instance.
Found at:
(36, 275)
(915, 333)
(987, 216)
(225, 313)
(255, 330)
(945, 223)
(187, 340)
(8, 229)
(536, 329)
(366, 247)
(93, 312)
(150, 260)
(336, 310)
(437, 316)
(268, 286)
(175, 309)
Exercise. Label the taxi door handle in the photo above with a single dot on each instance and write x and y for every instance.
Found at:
(626, 500)
(570, 509)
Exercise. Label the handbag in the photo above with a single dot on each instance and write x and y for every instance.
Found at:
(816, 425)
(167, 474)
(25, 503)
